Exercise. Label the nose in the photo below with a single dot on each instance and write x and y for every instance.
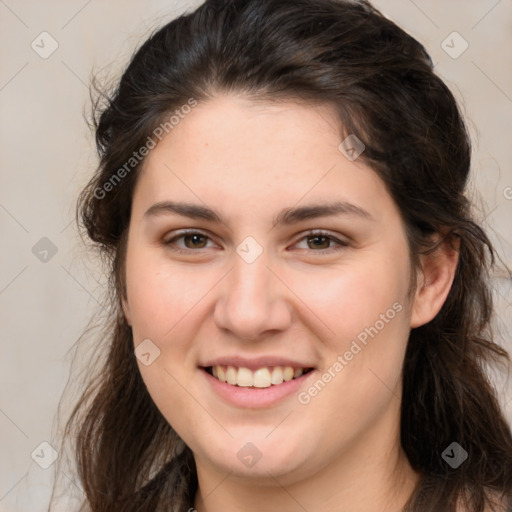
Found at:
(252, 301)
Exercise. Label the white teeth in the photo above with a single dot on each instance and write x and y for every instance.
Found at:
(231, 374)
(287, 373)
(261, 378)
(244, 377)
(277, 375)
(298, 372)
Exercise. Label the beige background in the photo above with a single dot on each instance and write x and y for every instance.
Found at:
(47, 153)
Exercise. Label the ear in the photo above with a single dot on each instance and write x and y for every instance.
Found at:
(126, 310)
(434, 280)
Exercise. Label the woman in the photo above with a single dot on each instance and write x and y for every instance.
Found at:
(301, 304)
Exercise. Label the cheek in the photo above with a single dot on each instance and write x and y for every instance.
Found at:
(160, 301)
(364, 305)
(353, 296)
(160, 295)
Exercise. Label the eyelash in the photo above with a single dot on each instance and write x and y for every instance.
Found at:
(309, 234)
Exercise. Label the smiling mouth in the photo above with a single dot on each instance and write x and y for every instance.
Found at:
(261, 378)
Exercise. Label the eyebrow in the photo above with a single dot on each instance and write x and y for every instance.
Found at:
(287, 216)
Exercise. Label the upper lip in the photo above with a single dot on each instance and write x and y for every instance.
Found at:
(255, 363)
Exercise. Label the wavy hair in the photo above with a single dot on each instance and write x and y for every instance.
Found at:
(381, 83)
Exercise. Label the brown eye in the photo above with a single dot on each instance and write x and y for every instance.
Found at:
(196, 241)
(192, 241)
(319, 242)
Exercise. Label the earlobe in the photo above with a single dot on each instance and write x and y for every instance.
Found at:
(435, 278)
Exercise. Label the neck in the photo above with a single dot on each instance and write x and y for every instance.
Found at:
(371, 475)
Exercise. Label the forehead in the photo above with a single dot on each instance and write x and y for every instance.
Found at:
(238, 153)
(235, 130)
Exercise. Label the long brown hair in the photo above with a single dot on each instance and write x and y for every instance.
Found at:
(381, 83)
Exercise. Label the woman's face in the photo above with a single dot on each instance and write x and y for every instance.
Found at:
(250, 287)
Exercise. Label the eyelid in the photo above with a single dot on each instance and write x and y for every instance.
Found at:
(320, 232)
(184, 232)
(310, 233)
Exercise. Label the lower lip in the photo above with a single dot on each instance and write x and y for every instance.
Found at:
(255, 398)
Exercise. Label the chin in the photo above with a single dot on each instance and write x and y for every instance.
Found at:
(260, 458)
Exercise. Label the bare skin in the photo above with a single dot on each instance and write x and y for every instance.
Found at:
(299, 299)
